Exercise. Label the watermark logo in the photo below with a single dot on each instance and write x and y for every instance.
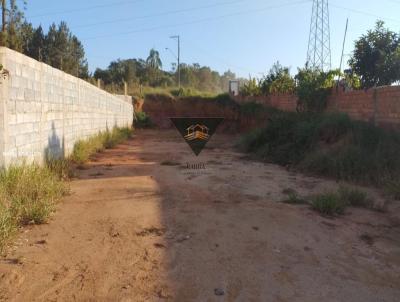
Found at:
(196, 131)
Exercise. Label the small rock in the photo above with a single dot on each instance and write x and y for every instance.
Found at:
(183, 238)
(43, 241)
(255, 228)
(219, 292)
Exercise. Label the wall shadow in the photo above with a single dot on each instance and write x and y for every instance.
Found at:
(55, 148)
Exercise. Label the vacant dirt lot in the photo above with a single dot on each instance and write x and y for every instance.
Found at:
(139, 226)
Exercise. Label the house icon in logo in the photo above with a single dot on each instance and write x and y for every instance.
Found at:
(196, 131)
(199, 132)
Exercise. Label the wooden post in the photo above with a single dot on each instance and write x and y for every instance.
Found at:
(98, 83)
(125, 88)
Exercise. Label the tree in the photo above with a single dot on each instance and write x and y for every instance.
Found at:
(14, 26)
(376, 57)
(251, 88)
(3, 36)
(278, 80)
(154, 64)
(145, 72)
(25, 34)
(37, 44)
(313, 88)
(58, 48)
(153, 60)
(12, 20)
(63, 50)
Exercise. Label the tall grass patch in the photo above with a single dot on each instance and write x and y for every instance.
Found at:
(83, 149)
(328, 144)
(328, 204)
(28, 194)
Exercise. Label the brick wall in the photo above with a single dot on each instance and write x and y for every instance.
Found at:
(380, 106)
(44, 111)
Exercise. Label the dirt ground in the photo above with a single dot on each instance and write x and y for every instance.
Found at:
(140, 226)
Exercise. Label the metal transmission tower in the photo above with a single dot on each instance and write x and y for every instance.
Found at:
(319, 42)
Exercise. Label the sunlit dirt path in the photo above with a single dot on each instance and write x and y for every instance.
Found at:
(140, 226)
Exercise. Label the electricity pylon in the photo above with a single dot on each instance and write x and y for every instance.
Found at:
(319, 44)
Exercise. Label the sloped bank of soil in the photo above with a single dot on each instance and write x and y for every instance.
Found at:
(161, 107)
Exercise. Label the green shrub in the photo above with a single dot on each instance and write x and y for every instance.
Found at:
(328, 144)
(143, 120)
(393, 189)
(81, 153)
(293, 197)
(328, 204)
(313, 88)
(251, 141)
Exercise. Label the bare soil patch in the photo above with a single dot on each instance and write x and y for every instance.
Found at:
(139, 226)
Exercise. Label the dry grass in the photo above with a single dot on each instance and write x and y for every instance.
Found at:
(83, 149)
(28, 194)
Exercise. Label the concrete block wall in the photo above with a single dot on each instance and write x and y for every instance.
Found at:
(44, 111)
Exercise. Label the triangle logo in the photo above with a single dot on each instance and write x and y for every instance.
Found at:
(196, 131)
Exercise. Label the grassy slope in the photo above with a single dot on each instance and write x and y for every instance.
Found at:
(329, 145)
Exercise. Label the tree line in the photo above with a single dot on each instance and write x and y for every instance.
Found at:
(57, 47)
(148, 72)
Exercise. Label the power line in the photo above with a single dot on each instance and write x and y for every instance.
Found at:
(85, 8)
(364, 13)
(199, 20)
(210, 54)
(160, 14)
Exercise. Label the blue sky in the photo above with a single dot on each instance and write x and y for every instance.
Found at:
(245, 36)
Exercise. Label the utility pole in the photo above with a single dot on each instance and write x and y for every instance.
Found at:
(179, 58)
(344, 42)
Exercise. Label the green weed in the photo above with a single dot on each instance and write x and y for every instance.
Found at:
(328, 204)
(143, 120)
(293, 197)
(328, 144)
(28, 194)
(83, 149)
(354, 197)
